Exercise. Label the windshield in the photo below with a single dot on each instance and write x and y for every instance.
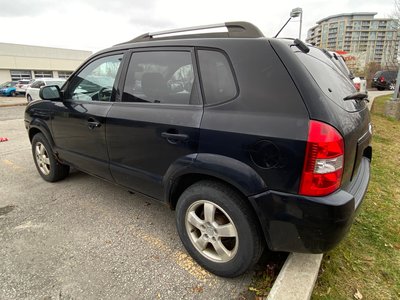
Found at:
(7, 84)
(334, 84)
(4, 84)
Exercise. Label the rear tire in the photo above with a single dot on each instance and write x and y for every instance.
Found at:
(48, 167)
(218, 228)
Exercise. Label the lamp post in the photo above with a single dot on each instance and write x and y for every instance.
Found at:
(298, 11)
(293, 14)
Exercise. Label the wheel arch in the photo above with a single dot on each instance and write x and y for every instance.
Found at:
(36, 127)
(186, 180)
(229, 171)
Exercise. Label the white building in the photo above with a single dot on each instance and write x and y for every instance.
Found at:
(364, 37)
(26, 62)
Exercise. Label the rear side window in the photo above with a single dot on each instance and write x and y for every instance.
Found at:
(389, 75)
(164, 77)
(216, 76)
(377, 74)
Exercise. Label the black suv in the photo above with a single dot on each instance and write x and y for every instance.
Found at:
(384, 80)
(253, 141)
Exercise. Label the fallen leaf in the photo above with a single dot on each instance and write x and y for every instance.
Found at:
(358, 295)
(369, 258)
(197, 289)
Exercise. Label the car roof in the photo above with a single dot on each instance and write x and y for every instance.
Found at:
(50, 79)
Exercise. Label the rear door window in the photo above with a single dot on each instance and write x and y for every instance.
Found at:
(161, 77)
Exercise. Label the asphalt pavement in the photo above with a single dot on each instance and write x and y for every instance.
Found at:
(84, 238)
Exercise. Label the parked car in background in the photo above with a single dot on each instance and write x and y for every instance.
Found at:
(8, 88)
(22, 85)
(384, 80)
(271, 149)
(32, 92)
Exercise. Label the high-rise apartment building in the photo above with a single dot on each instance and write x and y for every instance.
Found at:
(363, 37)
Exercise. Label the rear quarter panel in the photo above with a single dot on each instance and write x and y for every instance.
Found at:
(266, 122)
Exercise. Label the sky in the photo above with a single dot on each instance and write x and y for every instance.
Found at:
(97, 24)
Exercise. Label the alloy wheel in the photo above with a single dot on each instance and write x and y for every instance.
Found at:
(42, 158)
(211, 231)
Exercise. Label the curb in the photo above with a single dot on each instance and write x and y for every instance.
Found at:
(297, 278)
(11, 104)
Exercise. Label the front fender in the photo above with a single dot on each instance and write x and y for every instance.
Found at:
(40, 125)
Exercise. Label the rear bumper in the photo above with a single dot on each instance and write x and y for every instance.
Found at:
(296, 223)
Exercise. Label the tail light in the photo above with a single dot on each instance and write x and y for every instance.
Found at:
(323, 164)
(357, 86)
(381, 79)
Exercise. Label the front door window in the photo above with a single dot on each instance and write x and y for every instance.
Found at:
(96, 81)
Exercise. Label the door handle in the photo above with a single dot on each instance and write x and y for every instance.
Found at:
(174, 138)
(93, 123)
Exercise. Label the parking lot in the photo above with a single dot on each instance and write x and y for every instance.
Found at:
(85, 238)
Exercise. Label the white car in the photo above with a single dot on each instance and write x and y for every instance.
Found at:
(22, 85)
(32, 92)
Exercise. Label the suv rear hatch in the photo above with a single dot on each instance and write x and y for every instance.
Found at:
(323, 88)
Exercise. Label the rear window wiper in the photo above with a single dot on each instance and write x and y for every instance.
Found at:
(357, 96)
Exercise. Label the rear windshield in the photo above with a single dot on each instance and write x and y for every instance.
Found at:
(329, 78)
(377, 74)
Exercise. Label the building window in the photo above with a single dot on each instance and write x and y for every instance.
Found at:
(19, 74)
(64, 74)
(43, 74)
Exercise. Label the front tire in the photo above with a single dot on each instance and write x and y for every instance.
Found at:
(48, 167)
(29, 98)
(218, 228)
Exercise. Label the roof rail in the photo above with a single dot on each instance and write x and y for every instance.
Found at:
(235, 30)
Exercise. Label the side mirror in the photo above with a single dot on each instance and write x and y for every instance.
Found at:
(50, 92)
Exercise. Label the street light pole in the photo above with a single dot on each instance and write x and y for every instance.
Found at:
(298, 11)
(293, 14)
(396, 89)
(301, 23)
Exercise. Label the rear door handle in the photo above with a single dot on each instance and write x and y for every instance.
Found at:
(93, 123)
(174, 138)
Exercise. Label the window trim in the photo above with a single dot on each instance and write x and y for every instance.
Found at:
(196, 80)
(197, 49)
(116, 85)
